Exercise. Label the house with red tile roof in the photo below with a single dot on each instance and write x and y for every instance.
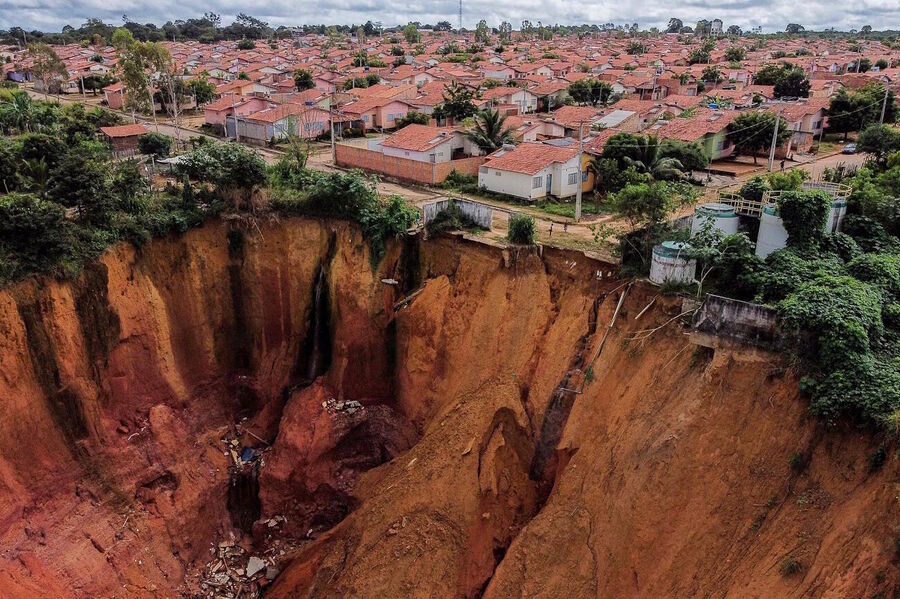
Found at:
(123, 139)
(279, 122)
(531, 171)
(425, 143)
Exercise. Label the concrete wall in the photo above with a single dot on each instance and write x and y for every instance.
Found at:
(405, 169)
(481, 214)
(743, 322)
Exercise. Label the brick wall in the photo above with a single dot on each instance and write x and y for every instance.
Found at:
(425, 173)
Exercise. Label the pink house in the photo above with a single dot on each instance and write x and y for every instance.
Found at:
(215, 112)
(382, 113)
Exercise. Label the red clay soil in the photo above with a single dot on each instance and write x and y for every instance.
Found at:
(436, 456)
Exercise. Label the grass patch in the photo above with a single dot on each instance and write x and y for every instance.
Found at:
(790, 566)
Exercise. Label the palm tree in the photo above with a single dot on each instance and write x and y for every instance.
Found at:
(648, 159)
(15, 110)
(489, 133)
(36, 176)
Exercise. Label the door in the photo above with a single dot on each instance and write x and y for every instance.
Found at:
(549, 179)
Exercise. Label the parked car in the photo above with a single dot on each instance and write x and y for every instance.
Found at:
(849, 149)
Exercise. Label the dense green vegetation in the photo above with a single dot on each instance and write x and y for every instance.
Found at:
(522, 229)
(66, 200)
(296, 190)
(837, 294)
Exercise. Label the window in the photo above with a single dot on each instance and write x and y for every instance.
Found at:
(497, 173)
(390, 117)
(365, 118)
(573, 178)
(584, 176)
(537, 182)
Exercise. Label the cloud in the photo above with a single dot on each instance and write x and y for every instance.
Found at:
(772, 15)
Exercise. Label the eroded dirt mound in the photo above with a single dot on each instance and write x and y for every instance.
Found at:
(185, 421)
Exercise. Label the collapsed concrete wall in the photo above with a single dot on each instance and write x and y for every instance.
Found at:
(736, 320)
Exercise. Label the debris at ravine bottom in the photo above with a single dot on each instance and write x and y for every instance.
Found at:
(238, 573)
(348, 407)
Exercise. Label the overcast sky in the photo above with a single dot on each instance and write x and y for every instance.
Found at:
(772, 15)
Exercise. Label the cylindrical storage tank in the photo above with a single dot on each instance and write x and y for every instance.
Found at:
(670, 265)
(772, 234)
(836, 215)
(722, 217)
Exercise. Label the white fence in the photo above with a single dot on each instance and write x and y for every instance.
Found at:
(480, 214)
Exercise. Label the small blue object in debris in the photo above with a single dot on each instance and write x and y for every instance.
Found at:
(248, 454)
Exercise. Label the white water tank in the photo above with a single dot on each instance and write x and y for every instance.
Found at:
(669, 263)
(772, 234)
(721, 215)
(836, 215)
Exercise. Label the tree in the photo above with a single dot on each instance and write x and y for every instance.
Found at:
(303, 80)
(768, 75)
(864, 64)
(794, 28)
(792, 83)
(691, 155)
(590, 91)
(505, 30)
(94, 82)
(644, 155)
(489, 132)
(674, 26)
(81, 181)
(413, 117)
(734, 30)
(703, 28)
(804, 214)
(235, 170)
(879, 141)
(646, 206)
(411, 34)
(711, 75)
(852, 111)
(155, 144)
(521, 229)
(752, 131)
(16, 112)
(482, 32)
(203, 90)
(700, 55)
(735, 54)
(246, 44)
(34, 234)
(47, 67)
(457, 103)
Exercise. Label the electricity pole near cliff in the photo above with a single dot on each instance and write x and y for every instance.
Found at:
(580, 159)
(774, 138)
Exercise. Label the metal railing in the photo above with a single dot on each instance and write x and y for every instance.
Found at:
(742, 205)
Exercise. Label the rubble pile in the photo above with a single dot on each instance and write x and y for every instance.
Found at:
(334, 406)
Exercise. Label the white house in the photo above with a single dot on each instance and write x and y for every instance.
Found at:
(532, 171)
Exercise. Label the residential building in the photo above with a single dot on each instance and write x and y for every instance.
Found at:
(531, 171)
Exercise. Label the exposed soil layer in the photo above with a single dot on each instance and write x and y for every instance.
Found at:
(449, 448)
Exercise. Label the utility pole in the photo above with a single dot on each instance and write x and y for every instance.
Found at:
(884, 104)
(152, 105)
(331, 126)
(774, 138)
(237, 136)
(580, 158)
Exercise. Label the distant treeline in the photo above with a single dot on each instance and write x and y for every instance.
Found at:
(209, 29)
